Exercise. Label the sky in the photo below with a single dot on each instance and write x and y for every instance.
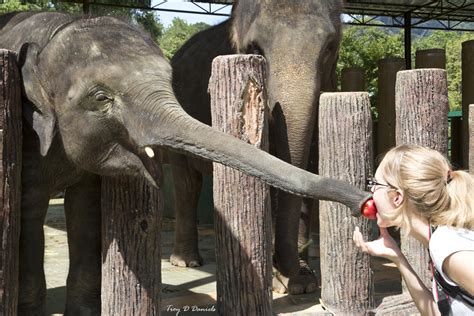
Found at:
(167, 17)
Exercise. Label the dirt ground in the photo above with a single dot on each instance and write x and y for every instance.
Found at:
(183, 288)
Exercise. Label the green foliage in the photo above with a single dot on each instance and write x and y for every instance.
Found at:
(151, 23)
(452, 43)
(365, 46)
(177, 34)
(17, 5)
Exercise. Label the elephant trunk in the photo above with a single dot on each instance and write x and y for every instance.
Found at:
(180, 132)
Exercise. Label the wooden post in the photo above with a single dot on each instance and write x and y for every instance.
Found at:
(131, 250)
(345, 147)
(353, 79)
(10, 181)
(387, 74)
(422, 119)
(242, 203)
(467, 60)
(430, 58)
(456, 141)
(471, 138)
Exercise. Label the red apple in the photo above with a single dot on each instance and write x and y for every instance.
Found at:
(369, 210)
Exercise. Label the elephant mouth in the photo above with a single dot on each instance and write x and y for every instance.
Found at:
(151, 162)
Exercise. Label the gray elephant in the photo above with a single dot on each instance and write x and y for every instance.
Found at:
(300, 41)
(98, 100)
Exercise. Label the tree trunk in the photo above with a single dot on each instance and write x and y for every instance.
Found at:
(467, 96)
(242, 203)
(10, 180)
(345, 151)
(422, 119)
(471, 138)
(131, 250)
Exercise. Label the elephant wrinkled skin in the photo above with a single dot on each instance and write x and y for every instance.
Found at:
(97, 99)
(300, 41)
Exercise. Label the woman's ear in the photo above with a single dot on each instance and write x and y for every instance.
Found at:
(398, 198)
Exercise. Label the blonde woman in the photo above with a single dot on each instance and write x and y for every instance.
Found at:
(416, 189)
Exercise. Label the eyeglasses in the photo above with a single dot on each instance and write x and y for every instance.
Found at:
(371, 184)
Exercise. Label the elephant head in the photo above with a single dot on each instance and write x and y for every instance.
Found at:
(300, 42)
(104, 89)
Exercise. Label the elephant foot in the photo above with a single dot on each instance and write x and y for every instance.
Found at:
(186, 259)
(305, 281)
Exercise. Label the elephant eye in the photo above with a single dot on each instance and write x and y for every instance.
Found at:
(101, 96)
(253, 48)
(98, 99)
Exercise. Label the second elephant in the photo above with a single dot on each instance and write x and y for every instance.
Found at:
(300, 41)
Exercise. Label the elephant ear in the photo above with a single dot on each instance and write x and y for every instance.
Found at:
(244, 13)
(37, 108)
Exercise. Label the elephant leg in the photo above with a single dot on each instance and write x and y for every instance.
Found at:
(187, 185)
(293, 276)
(83, 220)
(304, 228)
(32, 284)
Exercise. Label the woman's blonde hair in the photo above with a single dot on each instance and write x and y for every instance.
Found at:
(443, 196)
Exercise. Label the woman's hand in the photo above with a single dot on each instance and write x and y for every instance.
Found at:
(384, 246)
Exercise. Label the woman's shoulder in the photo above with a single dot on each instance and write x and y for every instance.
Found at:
(453, 238)
(448, 240)
(452, 233)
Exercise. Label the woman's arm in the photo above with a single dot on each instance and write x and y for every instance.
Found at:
(422, 296)
(387, 248)
(459, 268)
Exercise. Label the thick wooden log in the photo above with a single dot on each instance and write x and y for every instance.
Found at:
(430, 58)
(467, 59)
(421, 119)
(353, 79)
(242, 203)
(10, 180)
(131, 250)
(471, 138)
(456, 141)
(387, 74)
(345, 147)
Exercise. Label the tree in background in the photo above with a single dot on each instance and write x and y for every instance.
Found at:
(177, 34)
(450, 41)
(365, 46)
(170, 39)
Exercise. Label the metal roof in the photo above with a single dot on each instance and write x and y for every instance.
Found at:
(424, 14)
(428, 14)
(421, 14)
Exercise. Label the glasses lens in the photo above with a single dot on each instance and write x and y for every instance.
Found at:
(370, 183)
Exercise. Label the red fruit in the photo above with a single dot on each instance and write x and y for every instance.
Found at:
(369, 210)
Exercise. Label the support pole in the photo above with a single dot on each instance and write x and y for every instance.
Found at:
(345, 146)
(422, 119)
(467, 95)
(242, 203)
(131, 250)
(407, 35)
(10, 181)
(471, 138)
